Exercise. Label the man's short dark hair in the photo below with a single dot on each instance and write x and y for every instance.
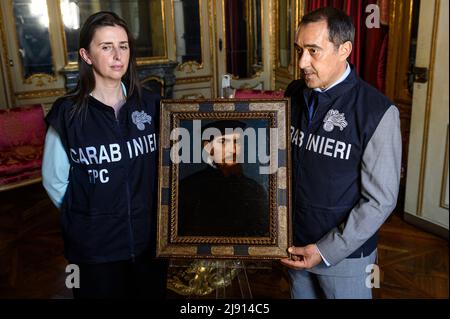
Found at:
(340, 26)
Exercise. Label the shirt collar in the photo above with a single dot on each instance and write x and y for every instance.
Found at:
(341, 79)
(124, 89)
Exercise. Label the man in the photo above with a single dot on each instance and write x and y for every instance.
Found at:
(346, 149)
(220, 200)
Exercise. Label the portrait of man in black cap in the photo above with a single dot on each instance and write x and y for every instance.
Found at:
(221, 199)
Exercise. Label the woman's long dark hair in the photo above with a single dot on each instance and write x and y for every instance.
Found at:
(86, 79)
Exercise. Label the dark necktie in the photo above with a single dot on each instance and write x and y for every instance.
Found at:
(312, 103)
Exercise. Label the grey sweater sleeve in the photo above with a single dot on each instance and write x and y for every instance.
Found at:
(380, 177)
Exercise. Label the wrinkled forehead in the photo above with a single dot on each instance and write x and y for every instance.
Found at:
(312, 33)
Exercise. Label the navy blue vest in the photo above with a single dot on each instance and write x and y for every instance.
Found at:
(109, 209)
(327, 154)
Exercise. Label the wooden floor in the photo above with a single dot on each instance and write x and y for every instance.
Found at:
(413, 263)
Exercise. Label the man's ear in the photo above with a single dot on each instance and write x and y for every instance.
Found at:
(345, 50)
(85, 56)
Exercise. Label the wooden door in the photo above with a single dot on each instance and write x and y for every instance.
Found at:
(426, 200)
(403, 24)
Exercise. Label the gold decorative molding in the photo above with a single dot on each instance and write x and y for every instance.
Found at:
(391, 51)
(189, 65)
(39, 78)
(72, 66)
(403, 91)
(150, 60)
(299, 13)
(250, 35)
(200, 13)
(423, 157)
(263, 31)
(214, 16)
(202, 277)
(63, 37)
(152, 78)
(224, 36)
(40, 94)
(272, 42)
(164, 30)
(5, 57)
(20, 184)
(196, 79)
(212, 53)
(444, 185)
(400, 24)
(174, 37)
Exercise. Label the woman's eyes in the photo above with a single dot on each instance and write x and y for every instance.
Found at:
(109, 47)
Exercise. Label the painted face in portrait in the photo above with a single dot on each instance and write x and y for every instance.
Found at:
(225, 149)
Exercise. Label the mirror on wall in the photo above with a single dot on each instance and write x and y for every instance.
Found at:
(243, 19)
(144, 18)
(187, 30)
(31, 19)
(284, 33)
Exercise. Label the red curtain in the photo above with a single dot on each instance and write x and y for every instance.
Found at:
(236, 38)
(370, 46)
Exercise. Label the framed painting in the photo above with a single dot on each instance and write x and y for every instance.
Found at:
(224, 179)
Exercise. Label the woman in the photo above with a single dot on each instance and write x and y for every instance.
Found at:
(100, 167)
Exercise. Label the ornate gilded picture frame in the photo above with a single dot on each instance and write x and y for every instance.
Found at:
(224, 179)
